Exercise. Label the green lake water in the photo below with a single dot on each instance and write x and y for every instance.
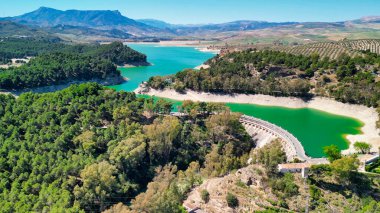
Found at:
(315, 129)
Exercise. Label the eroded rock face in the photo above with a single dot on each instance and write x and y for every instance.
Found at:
(249, 177)
(246, 184)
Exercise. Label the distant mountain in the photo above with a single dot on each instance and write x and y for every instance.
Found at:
(157, 23)
(98, 19)
(49, 17)
(103, 24)
(16, 30)
(236, 26)
(114, 20)
(316, 25)
(369, 19)
(244, 25)
(85, 31)
(11, 29)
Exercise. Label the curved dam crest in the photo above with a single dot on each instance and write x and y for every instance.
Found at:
(292, 146)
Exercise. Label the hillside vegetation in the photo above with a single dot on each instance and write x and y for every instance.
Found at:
(347, 79)
(373, 45)
(56, 68)
(57, 63)
(15, 30)
(334, 50)
(27, 47)
(260, 188)
(31, 47)
(325, 49)
(86, 148)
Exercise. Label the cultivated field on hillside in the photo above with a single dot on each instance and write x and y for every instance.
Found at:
(334, 49)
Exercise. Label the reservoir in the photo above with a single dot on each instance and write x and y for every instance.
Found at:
(315, 129)
(165, 61)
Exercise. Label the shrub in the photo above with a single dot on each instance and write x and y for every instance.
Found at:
(240, 183)
(270, 156)
(179, 87)
(285, 185)
(282, 204)
(205, 195)
(332, 152)
(343, 168)
(315, 193)
(309, 72)
(232, 200)
(362, 147)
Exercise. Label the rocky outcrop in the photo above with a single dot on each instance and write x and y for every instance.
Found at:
(247, 184)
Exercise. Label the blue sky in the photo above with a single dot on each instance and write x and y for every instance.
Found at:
(211, 11)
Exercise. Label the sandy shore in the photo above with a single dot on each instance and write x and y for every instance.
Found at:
(203, 46)
(185, 43)
(365, 114)
(173, 43)
(138, 64)
(202, 66)
(207, 49)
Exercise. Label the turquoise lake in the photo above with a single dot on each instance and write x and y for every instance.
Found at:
(315, 129)
(165, 61)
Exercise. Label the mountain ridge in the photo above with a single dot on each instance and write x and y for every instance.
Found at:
(103, 24)
(113, 19)
(97, 19)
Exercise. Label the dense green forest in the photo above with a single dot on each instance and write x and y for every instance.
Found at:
(21, 48)
(56, 68)
(87, 147)
(58, 63)
(115, 52)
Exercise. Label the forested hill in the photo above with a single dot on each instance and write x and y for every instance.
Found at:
(116, 52)
(30, 47)
(56, 68)
(11, 29)
(86, 148)
(57, 63)
(347, 79)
